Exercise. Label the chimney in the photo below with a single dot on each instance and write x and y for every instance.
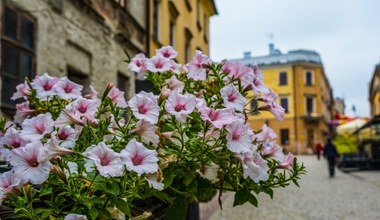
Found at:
(271, 49)
(247, 54)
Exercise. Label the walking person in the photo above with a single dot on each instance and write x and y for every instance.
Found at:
(318, 149)
(330, 153)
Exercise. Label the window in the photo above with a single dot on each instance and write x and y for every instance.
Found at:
(123, 83)
(188, 37)
(284, 135)
(79, 78)
(156, 19)
(283, 79)
(284, 103)
(205, 27)
(18, 54)
(174, 13)
(309, 78)
(309, 105)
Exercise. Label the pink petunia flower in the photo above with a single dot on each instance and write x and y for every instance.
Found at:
(266, 134)
(271, 149)
(106, 161)
(175, 67)
(167, 52)
(180, 105)
(22, 112)
(35, 128)
(66, 136)
(117, 97)
(138, 64)
(68, 89)
(144, 106)
(12, 138)
(239, 137)
(287, 161)
(44, 85)
(147, 132)
(195, 68)
(29, 163)
(67, 118)
(138, 158)
(92, 95)
(232, 97)
(75, 217)
(175, 84)
(254, 166)
(277, 110)
(237, 70)
(9, 180)
(155, 180)
(158, 64)
(217, 117)
(22, 91)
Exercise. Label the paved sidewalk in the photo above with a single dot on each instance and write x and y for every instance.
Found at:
(354, 195)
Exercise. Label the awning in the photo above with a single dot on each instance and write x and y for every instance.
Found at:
(374, 121)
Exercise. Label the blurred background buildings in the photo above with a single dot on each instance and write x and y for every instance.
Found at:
(86, 40)
(305, 93)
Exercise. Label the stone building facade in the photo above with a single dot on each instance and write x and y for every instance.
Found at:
(85, 40)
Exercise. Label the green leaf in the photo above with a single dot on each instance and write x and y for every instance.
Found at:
(252, 199)
(269, 191)
(241, 197)
(93, 213)
(178, 210)
(105, 213)
(46, 191)
(123, 206)
(163, 197)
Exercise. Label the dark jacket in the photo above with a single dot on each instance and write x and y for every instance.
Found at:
(330, 150)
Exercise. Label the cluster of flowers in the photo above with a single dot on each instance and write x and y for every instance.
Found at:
(77, 156)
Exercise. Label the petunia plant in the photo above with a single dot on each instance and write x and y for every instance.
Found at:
(91, 156)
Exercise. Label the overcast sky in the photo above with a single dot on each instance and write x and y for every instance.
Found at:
(345, 33)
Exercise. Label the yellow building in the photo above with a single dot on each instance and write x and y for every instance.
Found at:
(374, 92)
(184, 24)
(304, 91)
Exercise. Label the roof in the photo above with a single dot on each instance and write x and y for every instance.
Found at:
(278, 58)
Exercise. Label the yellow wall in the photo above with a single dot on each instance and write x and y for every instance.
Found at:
(196, 21)
(296, 90)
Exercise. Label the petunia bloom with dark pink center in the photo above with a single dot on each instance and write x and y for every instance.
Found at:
(254, 166)
(35, 128)
(232, 97)
(117, 97)
(106, 161)
(44, 85)
(68, 89)
(217, 117)
(144, 106)
(30, 163)
(167, 52)
(195, 68)
(138, 158)
(239, 137)
(180, 105)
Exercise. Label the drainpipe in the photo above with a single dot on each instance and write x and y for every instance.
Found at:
(295, 109)
(147, 26)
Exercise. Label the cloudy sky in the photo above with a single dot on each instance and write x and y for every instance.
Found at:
(345, 33)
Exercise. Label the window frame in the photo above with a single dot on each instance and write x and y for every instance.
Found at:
(312, 103)
(280, 78)
(312, 78)
(287, 103)
(8, 106)
(284, 140)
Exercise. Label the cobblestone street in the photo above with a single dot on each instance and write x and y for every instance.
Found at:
(353, 195)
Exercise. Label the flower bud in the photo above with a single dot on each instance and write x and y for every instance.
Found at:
(58, 172)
